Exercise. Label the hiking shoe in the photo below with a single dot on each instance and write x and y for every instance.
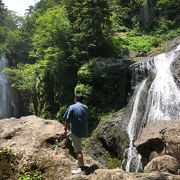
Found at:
(78, 171)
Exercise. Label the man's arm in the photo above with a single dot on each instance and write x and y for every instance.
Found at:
(66, 118)
(66, 126)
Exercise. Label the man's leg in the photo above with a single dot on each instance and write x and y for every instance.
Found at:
(80, 159)
(77, 145)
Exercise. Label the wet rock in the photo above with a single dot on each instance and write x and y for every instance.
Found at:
(175, 68)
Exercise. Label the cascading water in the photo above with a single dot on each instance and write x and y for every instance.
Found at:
(162, 101)
(133, 157)
(7, 105)
(164, 95)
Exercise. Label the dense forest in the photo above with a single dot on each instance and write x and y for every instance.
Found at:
(53, 50)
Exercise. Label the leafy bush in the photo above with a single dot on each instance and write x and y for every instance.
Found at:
(84, 89)
(24, 76)
(60, 113)
(29, 175)
(143, 43)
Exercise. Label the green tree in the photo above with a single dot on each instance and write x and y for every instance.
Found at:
(2, 12)
(91, 24)
(168, 13)
(51, 41)
(51, 34)
(25, 77)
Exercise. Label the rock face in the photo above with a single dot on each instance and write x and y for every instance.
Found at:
(159, 139)
(110, 137)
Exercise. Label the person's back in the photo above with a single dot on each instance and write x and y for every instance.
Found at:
(78, 119)
(75, 119)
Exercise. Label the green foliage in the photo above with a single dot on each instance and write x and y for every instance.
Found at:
(169, 9)
(51, 34)
(85, 72)
(9, 32)
(2, 12)
(24, 76)
(140, 43)
(29, 175)
(113, 163)
(91, 26)
(84, 89)
(143, 43)
(60, 113)
(51, 42)
(8, 158)
(125, 14)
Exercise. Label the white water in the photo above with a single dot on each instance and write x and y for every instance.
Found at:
(7, 106)
(162, 103)
(131, 130)
(164, 95)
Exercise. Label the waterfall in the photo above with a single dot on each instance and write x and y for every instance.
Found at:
(164, 95)
(132, 130)
(160, 102)
(7, 105)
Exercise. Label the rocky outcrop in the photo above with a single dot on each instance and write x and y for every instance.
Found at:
(34, 144)
(110, 137)
(164, 163)
(117, 174)
(31, 144)
(158, 139)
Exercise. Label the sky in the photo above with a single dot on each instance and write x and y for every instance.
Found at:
(19, 6)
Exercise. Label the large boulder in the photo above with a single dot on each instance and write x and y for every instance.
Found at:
(31, 144)
(116, 174)
(164, 163)
(158, 139)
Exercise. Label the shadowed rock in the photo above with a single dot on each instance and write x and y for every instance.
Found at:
(158, 139)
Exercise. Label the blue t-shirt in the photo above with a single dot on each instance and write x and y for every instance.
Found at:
(76, 114)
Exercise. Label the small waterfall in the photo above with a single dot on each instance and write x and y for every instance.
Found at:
(132, 130)
(160, 102)
(7, 105)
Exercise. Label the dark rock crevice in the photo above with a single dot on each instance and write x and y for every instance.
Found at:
(152, 146)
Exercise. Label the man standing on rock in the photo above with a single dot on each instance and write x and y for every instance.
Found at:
(75, 121)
